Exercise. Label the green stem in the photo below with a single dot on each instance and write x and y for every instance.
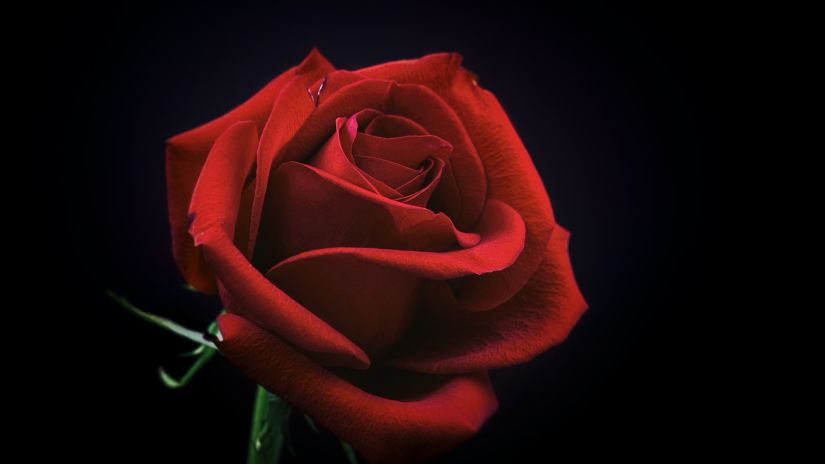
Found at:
(171, 382)
(266, 439)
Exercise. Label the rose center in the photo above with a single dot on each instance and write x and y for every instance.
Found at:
(388, 155)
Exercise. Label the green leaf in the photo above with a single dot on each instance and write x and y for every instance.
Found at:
(192, 353)
(173, 383)
(213, 329)
(162, 322)
(349, 452)
(269, 418)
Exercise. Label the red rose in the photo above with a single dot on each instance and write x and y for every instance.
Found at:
(380, 239)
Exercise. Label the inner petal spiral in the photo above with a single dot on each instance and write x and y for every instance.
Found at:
(387, 154)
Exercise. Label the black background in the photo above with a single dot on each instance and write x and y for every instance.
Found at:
(618, 108)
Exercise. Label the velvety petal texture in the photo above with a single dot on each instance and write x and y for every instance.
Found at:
(461, 193)
(186, 154)
(415, 417)
(360, 218)
(380, 239)
(244, 290)
(511, 174)
(448, 339)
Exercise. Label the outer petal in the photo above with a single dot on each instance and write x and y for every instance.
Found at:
(415, 418)
(292, 109)
(541, 315)
(217, 195)
(185, 156)
(293, 106)
(511, 175)
(214, 209)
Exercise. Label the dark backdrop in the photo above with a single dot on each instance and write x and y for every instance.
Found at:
(616, 106)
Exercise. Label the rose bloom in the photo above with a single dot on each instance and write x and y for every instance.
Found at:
(380, 239)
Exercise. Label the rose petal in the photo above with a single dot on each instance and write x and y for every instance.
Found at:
(368, 293)
(244, 291)
(217, 195)
(333, 212)
(463, 188)
(461, 194)
(511, 175)
(436, 70)
(214, 209)
(410, 151)
(328, 85)
(335, 157)
(542, 314)
(316, 130)
(391, 125)
(388, 172)
(185, 155)
(416, 183)
(372, 305)
(426, 416)
(422, 196)
(294, 105)
(502, 238)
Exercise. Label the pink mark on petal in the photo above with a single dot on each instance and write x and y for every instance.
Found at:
(316, 97)
(318, 93)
